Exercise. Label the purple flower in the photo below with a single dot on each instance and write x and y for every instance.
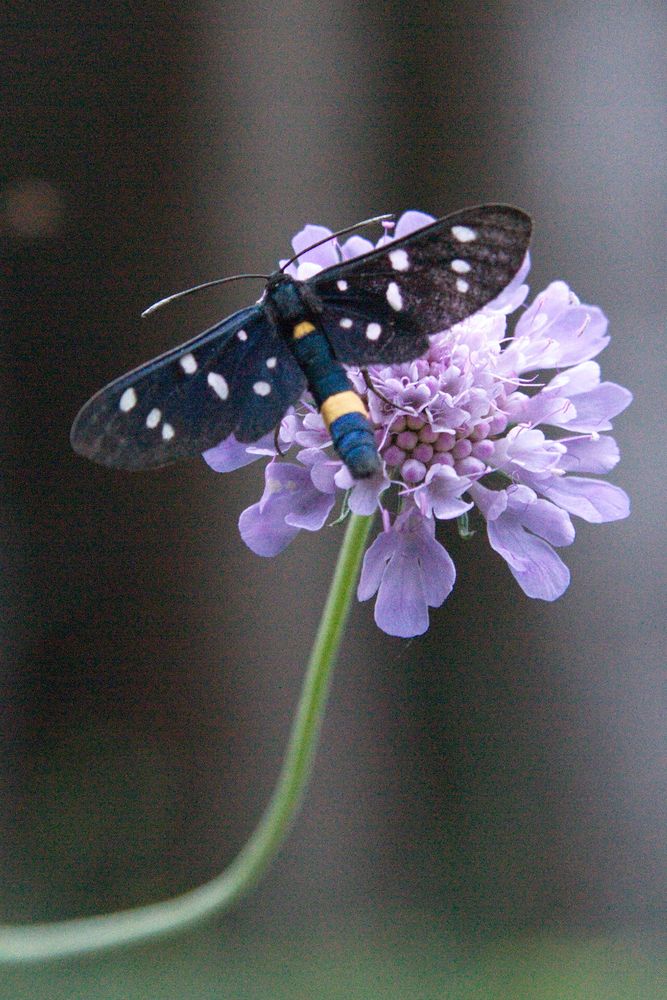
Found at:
(470, 430)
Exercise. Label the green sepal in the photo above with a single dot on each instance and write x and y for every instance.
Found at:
(344, 510)
(463, 527)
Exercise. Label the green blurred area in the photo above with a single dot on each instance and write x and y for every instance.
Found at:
(407, 958)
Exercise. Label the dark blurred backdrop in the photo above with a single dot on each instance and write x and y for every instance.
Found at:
(504, 774)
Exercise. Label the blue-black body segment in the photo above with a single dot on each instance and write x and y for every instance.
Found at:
(325, 375)
(353, 439)
(351, 433)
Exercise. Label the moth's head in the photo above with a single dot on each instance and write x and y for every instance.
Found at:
(278, 278)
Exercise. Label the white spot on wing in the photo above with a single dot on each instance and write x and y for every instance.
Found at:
(189, 364)
(167, 432)
(341, 286)
(394, 296)
(153, 418)
(219, 384)
(128, 400)
(464, 234)
(462, 285)
(460, 266)
(399, 260)
(262, 388)
(242, 335)
(373, 331)
(346, 323)
(271, 362)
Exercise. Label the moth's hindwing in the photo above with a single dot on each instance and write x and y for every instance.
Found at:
(239, 376)
(381, 307)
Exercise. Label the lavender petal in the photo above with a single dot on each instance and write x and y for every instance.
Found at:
(231, 454)
(265, 535)
(325, 255)
(355, 247)
(410, 570)
(440, 494)
(540, 516)
(538, 570)
(376, 557)
(594, 409)
(401, 608)
(290, 502)
(591, 499)
(590, 454)
(410, 222)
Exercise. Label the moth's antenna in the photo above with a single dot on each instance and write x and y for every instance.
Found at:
(341, 232)
(262, 277)
(197, 288)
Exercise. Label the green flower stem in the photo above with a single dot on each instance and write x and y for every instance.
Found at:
(72, 937)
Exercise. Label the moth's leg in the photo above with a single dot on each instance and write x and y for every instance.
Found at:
(276, 440)
(369, 385)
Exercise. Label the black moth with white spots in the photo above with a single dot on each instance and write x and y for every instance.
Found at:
(241, 375)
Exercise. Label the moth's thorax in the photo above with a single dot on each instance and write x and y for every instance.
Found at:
(289, 300)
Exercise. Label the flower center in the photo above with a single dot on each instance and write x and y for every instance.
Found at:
(413, 446)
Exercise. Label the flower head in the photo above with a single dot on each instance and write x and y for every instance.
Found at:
(472, 429)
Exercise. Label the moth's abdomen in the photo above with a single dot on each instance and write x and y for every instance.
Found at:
(353, 439)
(342, 410)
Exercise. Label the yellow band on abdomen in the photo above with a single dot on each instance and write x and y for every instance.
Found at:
(339, 404)
(301, 329)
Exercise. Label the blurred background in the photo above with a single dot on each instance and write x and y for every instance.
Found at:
(487, 813)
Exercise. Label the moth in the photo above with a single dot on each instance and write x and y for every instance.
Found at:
(241, 376)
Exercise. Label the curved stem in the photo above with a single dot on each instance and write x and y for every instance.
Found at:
(71, 937)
